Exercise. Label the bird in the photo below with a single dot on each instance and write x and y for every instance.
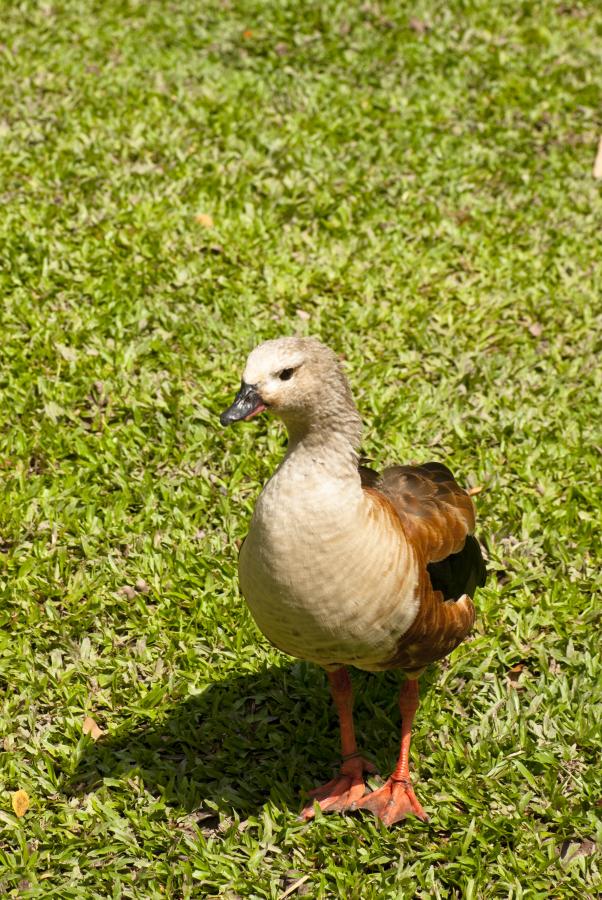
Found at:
(345, 567)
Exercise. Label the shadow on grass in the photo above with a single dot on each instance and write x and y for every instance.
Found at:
(246, 739)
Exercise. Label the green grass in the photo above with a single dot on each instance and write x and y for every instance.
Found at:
(423, 201)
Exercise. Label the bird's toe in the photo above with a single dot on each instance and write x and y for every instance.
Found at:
(392, 803)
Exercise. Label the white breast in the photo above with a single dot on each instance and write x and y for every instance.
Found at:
(325, 576)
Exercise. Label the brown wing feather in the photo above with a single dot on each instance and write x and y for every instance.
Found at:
(436, 513)
(436, 516)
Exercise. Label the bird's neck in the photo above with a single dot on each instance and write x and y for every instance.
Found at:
(326, 442)
(336, 460)
(316, 488)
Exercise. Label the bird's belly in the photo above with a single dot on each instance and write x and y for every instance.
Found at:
(344, 602)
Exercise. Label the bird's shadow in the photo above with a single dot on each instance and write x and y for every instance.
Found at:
(246, 739)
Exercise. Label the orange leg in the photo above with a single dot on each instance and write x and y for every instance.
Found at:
(343, 791)
(396, 799)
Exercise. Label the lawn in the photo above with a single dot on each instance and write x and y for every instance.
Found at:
(181, 180)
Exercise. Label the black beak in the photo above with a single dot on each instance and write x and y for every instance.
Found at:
(246, 404)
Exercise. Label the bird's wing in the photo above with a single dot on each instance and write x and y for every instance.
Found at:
(436, 513)
(368, 476)
(437, 518)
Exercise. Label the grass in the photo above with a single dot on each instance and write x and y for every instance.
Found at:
(419, 197)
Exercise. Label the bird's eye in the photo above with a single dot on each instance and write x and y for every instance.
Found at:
(285, 374)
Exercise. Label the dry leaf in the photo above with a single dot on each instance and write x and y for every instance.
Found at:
(597, 173)
(204, 219)
(418, 26)
(572, 848)
(474, 490)
(536, 329)
(515, 671)
(90, 727)
(514, 674)
(461, 216)
(303, 314)
(294, 887)
(20, 801)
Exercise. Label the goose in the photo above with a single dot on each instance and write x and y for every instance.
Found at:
(344, 567)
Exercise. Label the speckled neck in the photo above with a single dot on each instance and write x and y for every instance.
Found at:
(327, 437)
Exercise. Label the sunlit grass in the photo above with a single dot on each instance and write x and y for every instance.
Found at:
(412, 183)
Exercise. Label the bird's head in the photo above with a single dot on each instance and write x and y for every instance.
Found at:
(301, 381)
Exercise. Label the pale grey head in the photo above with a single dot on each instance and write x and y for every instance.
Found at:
(301, 381)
